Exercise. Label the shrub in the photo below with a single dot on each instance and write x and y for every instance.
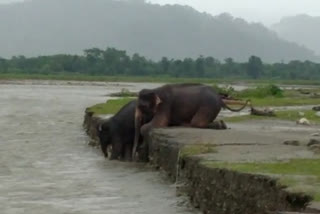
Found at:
(262, 92)
(225, 89)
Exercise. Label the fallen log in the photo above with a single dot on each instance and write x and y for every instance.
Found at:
(316, 108)
(264, 112)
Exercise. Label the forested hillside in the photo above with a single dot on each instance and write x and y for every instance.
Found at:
(302, 29)
(46, 27)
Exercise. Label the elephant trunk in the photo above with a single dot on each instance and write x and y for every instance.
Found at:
(235, 102)
(137, 126)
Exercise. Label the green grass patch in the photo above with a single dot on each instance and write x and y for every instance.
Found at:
(294, 115)
(124, 93)
(307, 184)
(197, 149)
(272, 95)
(284, 101)
(291, 115)
(284, 82)
(299, 175)
(292, 167)
(110, 107)
(103, 78)
(158, 79)
(261, 92)
(237, 119)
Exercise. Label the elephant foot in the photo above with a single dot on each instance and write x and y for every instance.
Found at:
(186, 125)
(135, 157)
(218, 125)
(143, 152)
(126, 159)
(108, 154)
(127, 156)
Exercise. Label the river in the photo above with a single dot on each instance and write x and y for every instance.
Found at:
(47, 167)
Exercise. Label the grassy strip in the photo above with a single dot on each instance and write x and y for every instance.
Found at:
(158, 79)
(284, 101)
(294, 115)
(237, 119)
(298, 175)
(102, 78)
(272, 95)
(110, 107)
(197, 149)
(291, 115)
(292, 167)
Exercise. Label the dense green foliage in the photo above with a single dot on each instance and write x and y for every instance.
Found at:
(112, 62)
(262, 92)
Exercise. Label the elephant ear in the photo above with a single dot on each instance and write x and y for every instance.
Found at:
(158, 100)
(100, 128)
(104, 126)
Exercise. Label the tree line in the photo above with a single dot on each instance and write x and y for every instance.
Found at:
(113, 62)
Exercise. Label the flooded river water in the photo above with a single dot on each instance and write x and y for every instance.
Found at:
(47, 167)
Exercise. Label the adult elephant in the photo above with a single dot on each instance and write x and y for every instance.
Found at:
(118, 132)
(190, 105)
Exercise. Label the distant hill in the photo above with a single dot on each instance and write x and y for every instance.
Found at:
(302, 29)
(45, 27)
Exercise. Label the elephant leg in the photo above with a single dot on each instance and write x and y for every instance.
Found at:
(184, 124)
(160, 120)
(117, 149)
(143, 150)
(203, 117)
(128, 152)
(104, 150)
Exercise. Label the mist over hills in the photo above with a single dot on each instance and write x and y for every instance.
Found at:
(302, 29)
(46, 27)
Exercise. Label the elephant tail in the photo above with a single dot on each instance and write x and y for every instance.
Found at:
(235, 102)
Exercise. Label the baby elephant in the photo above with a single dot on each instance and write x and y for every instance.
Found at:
(118, 132)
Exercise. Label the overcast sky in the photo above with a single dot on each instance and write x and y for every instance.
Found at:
(268, 12)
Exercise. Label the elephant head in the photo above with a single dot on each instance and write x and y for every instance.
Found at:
(110, 142)
(148, 102)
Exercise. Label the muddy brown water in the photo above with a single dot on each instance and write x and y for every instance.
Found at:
(47, 167)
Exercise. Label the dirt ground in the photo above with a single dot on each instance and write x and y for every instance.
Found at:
(260, 141)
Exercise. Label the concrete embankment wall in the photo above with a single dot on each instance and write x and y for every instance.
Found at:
(220, 191)
(213, 190)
